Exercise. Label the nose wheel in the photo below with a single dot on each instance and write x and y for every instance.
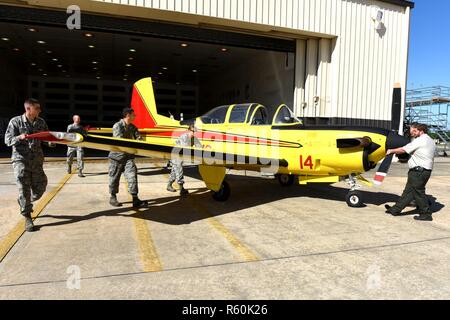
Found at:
(354, 199)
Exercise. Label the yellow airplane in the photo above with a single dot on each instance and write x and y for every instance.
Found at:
(242, 137)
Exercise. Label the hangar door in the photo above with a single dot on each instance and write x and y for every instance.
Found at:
(90, 71)
(313, 80)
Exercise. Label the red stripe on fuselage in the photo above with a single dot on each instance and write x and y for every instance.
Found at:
(219, 137)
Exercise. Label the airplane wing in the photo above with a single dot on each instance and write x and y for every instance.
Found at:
(155, 150)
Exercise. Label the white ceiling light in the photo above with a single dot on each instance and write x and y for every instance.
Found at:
(5, 39)
(41, 41)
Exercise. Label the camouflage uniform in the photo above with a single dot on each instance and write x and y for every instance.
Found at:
(176, 173)
(76, 128)
(27, 160)
(123, 162)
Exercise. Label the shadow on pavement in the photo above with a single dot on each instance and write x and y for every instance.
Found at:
(246, 192)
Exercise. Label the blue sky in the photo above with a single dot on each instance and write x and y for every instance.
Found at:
(429, 51)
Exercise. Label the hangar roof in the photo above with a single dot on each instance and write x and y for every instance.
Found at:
(403, 3)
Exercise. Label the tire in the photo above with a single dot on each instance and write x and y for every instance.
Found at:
(286, 180)
(223, 194)
(354, 199)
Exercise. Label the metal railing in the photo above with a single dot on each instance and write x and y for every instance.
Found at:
(430, 106)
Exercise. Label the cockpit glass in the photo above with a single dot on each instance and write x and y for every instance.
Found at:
(284, 116)
(216, 115)
(260, 117)
(239, 113)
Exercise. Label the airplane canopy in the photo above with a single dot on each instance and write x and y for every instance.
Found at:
(246, 113)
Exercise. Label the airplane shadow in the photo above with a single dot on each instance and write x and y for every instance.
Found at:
(246, 192)
(154, 172)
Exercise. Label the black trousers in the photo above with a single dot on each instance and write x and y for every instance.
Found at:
(415, 190)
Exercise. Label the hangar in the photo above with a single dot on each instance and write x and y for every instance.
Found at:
(332, 61)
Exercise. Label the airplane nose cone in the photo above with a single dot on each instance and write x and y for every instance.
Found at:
(394, 141)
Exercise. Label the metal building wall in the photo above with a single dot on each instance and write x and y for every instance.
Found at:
(363, 64)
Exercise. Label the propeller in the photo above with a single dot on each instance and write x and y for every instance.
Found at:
(383, 170)
(393, 140)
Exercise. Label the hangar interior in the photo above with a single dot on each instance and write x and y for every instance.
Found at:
(91, 73)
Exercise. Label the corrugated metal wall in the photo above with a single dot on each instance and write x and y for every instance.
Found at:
(363, 66)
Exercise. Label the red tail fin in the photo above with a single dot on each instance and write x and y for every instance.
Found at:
(141, 107)
(144, 105)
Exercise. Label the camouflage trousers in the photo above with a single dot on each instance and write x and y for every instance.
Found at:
(79, 152)
(176, 173)
(31, 181)
(129, 169)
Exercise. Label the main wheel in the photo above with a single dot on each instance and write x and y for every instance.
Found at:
(223, 194)
(286, 180)
(354, 199)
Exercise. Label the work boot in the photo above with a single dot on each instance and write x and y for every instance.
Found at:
(113, 201)
(424, 217)
(69, 169)
(29, 226)
(170, 187)
(183, 191)
(390, 211)
(137, 203)
(80, 174)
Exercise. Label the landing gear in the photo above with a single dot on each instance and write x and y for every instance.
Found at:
(286, 180)
(354, 197)
(223, 194)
